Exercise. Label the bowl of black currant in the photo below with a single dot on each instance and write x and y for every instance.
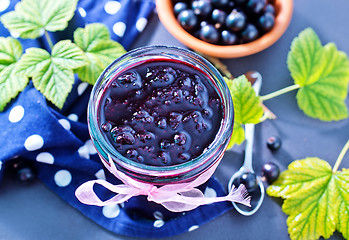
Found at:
(226, 28)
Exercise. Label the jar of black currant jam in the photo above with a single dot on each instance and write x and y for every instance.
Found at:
(163, 114)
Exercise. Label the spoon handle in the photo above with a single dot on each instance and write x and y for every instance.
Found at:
(249, 135)
(249, 128)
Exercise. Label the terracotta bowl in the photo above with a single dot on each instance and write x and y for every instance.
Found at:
(284, 9)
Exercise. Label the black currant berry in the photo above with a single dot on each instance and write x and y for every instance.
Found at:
(187, 19)
(218, 16)
(270, 171)
(256, 6)
(231, 6)
(250, 33)
(266, 22)
(220, 3)
(26, 175)
(179, 7)
(203, 23)
(236, 20)
(274, 143)
(269, 8)
(209, 33)
(201, 7)
(240, 1)
(22, 169)
(249, 180)
(228, 38)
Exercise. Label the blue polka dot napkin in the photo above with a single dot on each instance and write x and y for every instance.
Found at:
(58, 143)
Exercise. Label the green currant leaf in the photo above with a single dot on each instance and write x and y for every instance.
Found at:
(342, 184)
(54, 82)
(247, 106)
(68, 54)
(238, 135)
(32, 17)
(11, 82)
(10, 51)
(301, 174)
(99, 49)
(83, 37)
(305, 60)
(52, 74)
(313, 213)
(325, 98)
(322, 74)
(32, 60)
(317, 200)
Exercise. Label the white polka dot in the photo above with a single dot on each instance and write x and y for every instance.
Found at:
(16, 114)
(91, 148)
(192, 228)
(158, 215)
(82, 12)
(62, 178)
(65, 123)
(141, 23)
(83, 152)
(82, 87)
(100, 174)
(210, 192)
(34, 142)
(73, 117)
(14, 34)
(4, 5)
(112, 7)
(111, 211)
(45, 157)
(158, 223)
(119, 28)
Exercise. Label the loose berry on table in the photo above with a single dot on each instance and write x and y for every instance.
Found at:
(270, 171)
(274, 143)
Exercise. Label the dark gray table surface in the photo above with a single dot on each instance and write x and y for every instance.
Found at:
(34, 212)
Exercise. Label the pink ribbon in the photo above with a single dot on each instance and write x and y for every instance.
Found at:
(177, 197)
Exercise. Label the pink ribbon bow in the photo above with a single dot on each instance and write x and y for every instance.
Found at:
(177, 197)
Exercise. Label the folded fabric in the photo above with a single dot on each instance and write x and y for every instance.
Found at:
(58, 143)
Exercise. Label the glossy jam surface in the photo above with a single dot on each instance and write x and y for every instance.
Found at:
(160, 112)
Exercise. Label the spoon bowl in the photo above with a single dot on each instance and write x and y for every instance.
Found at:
(258, 193)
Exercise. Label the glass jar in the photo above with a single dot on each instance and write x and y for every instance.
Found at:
(160, 175)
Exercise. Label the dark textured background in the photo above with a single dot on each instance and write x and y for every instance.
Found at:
(34, 212)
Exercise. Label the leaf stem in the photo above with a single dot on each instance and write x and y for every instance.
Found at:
(268, 114)
(47, 36)
(279, 92)
(340, 157)
(264, 117)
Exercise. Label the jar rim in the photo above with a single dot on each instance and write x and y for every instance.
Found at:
(221, 138)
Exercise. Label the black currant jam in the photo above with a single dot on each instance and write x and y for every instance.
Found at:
(160, 112)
